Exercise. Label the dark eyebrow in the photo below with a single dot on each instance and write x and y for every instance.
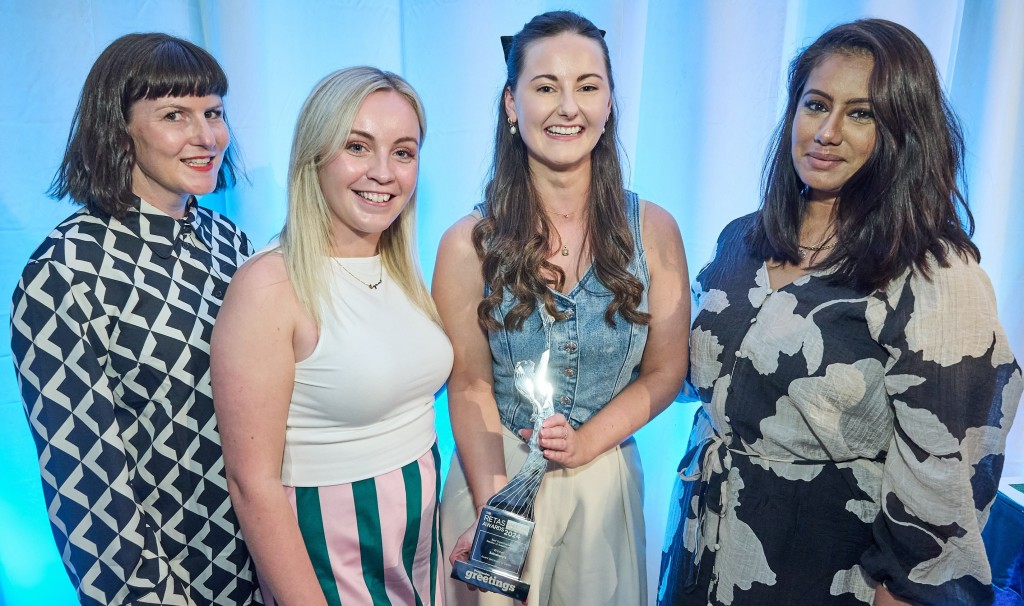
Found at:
(814, 91)
(580, 78)
(183, 108)
(366, 135)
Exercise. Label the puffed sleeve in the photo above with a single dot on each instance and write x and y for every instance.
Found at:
(59, 340)
(954, 386)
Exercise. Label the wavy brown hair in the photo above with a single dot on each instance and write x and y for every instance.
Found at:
(96, 171)
(906, 201)
(512, 238)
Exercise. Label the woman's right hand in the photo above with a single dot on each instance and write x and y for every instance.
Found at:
(462, 546)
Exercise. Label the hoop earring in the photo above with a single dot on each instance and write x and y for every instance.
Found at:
(511, 127)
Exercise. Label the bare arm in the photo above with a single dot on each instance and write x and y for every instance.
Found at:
(665, 359)
(458, 289)
(253, 369)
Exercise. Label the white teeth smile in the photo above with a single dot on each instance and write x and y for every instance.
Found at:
(565, 130)
(374, 197)
(198, 161)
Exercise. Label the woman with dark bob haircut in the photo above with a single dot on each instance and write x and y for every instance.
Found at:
(856, 384)
(110, 329)
(560, 258)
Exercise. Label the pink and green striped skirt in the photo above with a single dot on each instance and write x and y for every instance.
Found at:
(375, 541)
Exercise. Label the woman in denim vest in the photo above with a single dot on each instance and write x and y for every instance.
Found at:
(560, 257)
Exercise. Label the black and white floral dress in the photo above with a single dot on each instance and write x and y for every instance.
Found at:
(843, 439)
(110, 329)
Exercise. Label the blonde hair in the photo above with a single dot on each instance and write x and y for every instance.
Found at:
(324, 125)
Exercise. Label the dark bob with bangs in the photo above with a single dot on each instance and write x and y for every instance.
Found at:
(97, 166)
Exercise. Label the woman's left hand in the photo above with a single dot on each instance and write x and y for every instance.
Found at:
(560, 442)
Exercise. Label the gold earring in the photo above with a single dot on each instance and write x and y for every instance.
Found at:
(511, 126)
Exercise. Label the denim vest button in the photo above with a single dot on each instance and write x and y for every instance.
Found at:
(570, 314)
(570, 347)
(565, 400)
(569, 372)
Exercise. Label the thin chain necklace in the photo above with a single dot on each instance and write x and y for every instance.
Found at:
(803, 250)
(566, 216)
(380, 277)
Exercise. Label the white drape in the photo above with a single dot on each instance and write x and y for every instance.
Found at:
(699, 84)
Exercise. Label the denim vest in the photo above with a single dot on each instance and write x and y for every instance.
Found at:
(590, 362)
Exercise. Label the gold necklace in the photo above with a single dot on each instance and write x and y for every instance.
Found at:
(803, 250)
(380, 277)
(566, 216)
(565, 247)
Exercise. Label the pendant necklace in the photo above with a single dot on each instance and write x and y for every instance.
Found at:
(565, 249)
(380, 277)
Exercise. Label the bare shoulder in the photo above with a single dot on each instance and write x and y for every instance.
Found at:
(459, 237)
(262, 271)
(458, 280)
(659, 228)
(261, 286)
(457, 258)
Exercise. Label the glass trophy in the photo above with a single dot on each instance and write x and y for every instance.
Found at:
(505, 528)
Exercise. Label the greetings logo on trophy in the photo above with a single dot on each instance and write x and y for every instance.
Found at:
(505, 528)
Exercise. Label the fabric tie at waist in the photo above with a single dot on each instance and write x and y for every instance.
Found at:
(701, 467)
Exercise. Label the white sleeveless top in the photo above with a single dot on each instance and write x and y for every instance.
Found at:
(363, 402)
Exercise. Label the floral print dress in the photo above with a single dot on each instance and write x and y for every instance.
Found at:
(843, 439)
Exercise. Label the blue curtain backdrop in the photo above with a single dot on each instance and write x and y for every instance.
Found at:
(700, 86)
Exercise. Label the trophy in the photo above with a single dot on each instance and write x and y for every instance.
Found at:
(505, 528)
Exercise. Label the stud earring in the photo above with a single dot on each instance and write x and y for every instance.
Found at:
(511, 126)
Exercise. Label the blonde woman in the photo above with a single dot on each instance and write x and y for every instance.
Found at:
(326, 357)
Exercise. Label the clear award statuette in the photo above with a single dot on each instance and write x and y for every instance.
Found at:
(505, 528)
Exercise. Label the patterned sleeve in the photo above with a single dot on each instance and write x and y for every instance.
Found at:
(954, 387)
(58, 337)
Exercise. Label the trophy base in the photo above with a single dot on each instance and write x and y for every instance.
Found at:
(485, 579)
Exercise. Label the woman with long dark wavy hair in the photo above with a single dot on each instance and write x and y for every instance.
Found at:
(110, 330)
(856, 384)
(560, 257)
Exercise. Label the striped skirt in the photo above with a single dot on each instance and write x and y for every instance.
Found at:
(375, 541)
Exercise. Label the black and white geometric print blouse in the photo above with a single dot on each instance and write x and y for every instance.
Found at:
(110, 329)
